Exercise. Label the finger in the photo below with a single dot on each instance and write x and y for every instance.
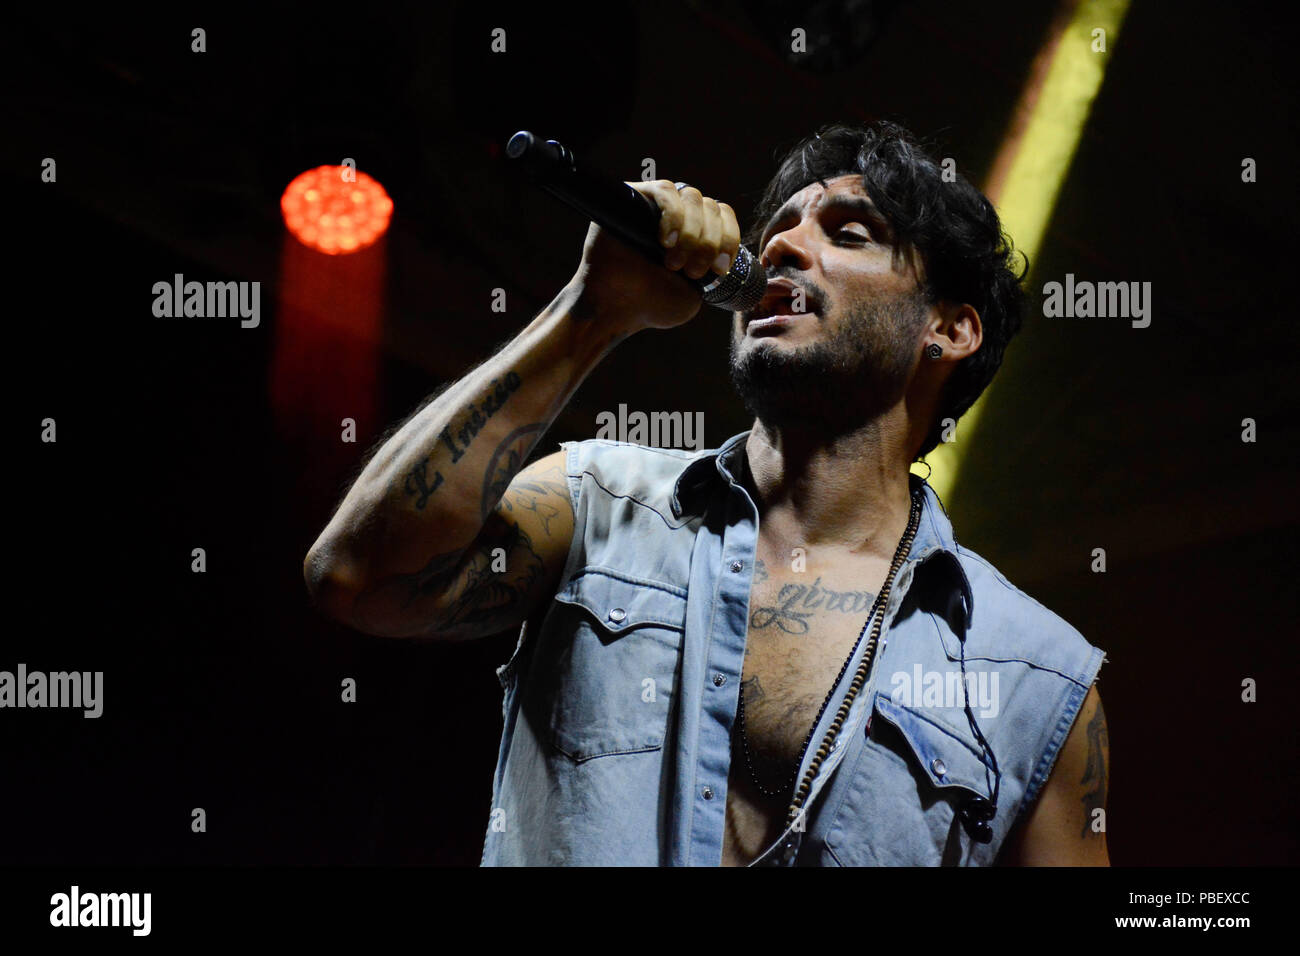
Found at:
(669, 202)
(730, 244)
(702, 259)
(692, 220)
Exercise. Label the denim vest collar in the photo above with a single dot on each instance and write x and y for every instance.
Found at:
(934, 550)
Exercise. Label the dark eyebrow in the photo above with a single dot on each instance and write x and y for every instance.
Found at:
(841, 202)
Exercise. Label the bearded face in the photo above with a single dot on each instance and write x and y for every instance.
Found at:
(833, 367)
(838, 334)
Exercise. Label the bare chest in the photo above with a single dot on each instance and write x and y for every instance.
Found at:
(803, 625)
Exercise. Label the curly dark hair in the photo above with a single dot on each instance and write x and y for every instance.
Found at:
(967, 258)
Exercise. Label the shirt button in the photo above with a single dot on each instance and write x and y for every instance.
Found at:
(938, 766)
(708, 793)
(736, 565)
(617, 614)
(719, 680)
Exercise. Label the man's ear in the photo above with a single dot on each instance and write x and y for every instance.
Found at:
(957, 330)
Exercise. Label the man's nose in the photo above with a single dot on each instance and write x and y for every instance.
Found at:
(787, 248)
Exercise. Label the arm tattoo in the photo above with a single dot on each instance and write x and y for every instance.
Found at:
(417, 483)
(483, 584)
(476, 416)
(1095, 772)
(505, 464)
(502, 467)
(423, 581)
(458, 435)
(479, 591)
(531, 495)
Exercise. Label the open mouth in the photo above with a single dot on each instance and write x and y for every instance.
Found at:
(779, 302)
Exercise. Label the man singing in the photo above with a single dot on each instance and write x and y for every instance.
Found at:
(773, 652)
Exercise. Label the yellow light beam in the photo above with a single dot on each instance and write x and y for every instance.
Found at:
(1034, 158)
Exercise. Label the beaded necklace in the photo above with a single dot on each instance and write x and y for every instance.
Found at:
(859, 680)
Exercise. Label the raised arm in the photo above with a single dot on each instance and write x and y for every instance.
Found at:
(443, 534)
(438, 511)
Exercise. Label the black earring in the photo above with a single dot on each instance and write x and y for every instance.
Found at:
(933, 350)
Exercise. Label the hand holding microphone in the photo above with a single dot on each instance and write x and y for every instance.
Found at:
(622, 282)
(641, 234)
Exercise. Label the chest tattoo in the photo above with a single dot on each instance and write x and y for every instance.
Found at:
(794, 605)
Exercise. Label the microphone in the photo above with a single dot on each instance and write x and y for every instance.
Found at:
(634, 218)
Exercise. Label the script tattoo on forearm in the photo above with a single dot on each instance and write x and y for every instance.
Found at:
(417, 483)
(796, 604)
(457, 437)
(1095, 773)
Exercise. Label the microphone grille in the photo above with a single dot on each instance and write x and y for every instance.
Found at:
(742, 288)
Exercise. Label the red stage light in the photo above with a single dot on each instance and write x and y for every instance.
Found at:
(332, 215)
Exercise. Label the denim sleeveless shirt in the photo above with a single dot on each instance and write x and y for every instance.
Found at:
(620, 697)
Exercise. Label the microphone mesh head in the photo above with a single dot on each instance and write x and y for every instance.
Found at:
(742, 288)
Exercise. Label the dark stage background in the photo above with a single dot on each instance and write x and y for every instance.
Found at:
(222, 689)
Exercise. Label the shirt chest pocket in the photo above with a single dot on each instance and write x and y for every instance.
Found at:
(902, 796)
(603, 675)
